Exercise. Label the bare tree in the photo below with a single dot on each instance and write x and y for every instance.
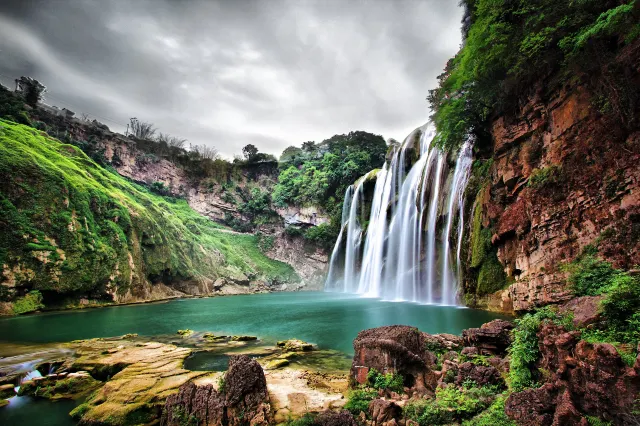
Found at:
(141, 129)
(171, 141)
(85, 117)
(206, 151)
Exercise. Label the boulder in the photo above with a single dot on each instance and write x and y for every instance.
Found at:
(482, 375)
(584, 379)
(394, 349)
(585, 310)
(244, 399)
(335, 418)
(295, 345)
(7, 391)
(492, 338)
(383, 411)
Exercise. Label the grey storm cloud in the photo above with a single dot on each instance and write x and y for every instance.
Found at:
(232, 72)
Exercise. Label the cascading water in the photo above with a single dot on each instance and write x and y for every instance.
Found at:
(405, 256)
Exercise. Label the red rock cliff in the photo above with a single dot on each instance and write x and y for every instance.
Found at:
(565, 174)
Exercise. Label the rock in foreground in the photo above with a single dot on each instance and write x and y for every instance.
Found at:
(243, 399)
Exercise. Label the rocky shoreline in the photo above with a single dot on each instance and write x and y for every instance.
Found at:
(399, 376)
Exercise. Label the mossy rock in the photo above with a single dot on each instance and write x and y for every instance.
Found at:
(185, 332)
(7, 391)
(243, 338)
(491, 277)
(276, 363)
(295, 345)
(72, 386)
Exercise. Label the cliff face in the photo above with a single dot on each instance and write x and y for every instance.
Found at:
(214, 197)
(565, 175)
(210, 198)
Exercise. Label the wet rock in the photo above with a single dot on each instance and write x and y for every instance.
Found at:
(7, 391)
(383, 411)
(243, 338)
(394, 349)
(68, 386)
(185, 332)
(295, 345)
(276, 363)
(492, 338)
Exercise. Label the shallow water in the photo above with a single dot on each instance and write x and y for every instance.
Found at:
(329, 320)
(25, 410)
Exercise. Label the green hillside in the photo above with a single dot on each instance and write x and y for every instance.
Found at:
(70, 226)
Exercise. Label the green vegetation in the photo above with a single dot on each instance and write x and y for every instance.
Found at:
(390, 381)
(484, 258)
(620, 308)
(546, 176)
(319, 174)
(451, 404)
(359, 400)
(30, 302)
(524, 351)
(306, 420)
(509, 45)
(590, 276)
(493, 416)
(68, 225)
(181, 417)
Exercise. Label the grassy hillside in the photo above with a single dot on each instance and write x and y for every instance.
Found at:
(69, 226)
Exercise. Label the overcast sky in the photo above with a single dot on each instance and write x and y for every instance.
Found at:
(232, 72)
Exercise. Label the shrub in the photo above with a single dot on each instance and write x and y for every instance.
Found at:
(621, 307)
(31, 302)
(493, 416)
(450, 405)
(389, 381)
(590, 276)
(306, 420)
(359, 400)
(323, 235)
(524, 351)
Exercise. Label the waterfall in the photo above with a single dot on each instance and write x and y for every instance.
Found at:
(455, 205)
(332, 277)
(403, 255)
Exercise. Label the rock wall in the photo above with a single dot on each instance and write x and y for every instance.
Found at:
(565, 174)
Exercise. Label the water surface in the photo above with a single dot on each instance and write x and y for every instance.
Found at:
(329, 320)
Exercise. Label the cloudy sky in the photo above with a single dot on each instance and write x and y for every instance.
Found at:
(231, 72)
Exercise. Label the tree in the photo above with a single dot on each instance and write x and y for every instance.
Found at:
(250, 151)
(32, 90)
(171, 141)
(141, 129)
(206, 151)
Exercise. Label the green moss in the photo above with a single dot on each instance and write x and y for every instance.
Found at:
(546, 176)
(109, 230)
(79, 411)
(491, 277)
(480, 244)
